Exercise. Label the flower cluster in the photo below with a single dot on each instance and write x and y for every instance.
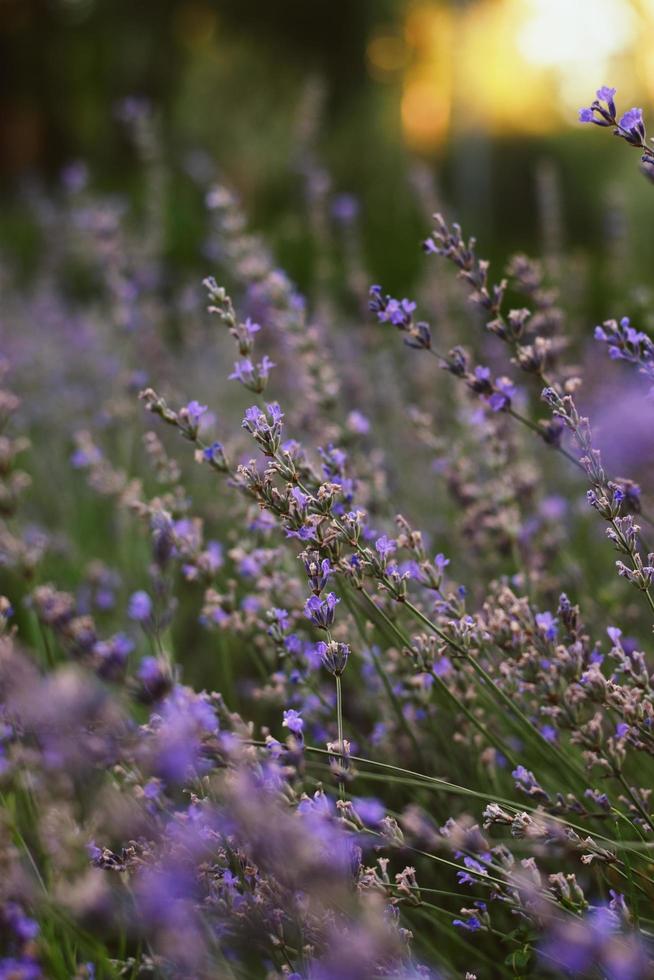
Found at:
(253, 721)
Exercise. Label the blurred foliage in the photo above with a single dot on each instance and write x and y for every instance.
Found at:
(231, 78)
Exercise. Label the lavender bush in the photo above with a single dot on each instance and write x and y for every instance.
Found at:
(254, 722)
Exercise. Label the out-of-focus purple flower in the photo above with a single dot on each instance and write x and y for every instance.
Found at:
(369, 810)
(472, 923)
(155, 678)
(358, 423)
(185, 718)
(502, 395)
(20, 968)
(140, 606)
(547, 624)
(112, 655)
(615, 635)
(293, 721)
(385, 547)
(75, 176)
(345, 208)
(594, 944)
(133, 108)
(195, 410)
(250, 375)
(21, 925)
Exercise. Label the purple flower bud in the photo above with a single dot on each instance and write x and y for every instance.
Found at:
(334, 656)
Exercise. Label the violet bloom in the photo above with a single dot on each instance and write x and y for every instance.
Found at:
(154, 676)
(358, 423)
(547, 624)
(369, 810)
(214, 454)
(472, 923)
(195, 411)
(602, 111)
(632, 119)
(250, 375)
(321, 611)
(250, 327)
(594, 944)
(397, 312)
(140, 607)
(502, 395)
(385, 547)
(345, 208)
(186, 718)
(606, 94)
(265, 427)
(293, 721)
(318, 571)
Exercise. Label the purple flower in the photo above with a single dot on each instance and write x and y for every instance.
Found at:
(547, 624)
(606, 94)
(195, 411)
(140, 607)
(358, 423)
(252, 376)
(502, 395)
(265, 427)
(213, 453)
(632, 119)
(345, 208)
(472, 924)
(300, 498)
(293, 721)
(321, 611)
(318, 570)
(614, 635)
(334, 656)
(370, 811)
(155, 679)
(250, 327)
(385, 547)
(280, 616)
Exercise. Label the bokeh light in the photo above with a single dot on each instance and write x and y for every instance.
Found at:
(521, 66)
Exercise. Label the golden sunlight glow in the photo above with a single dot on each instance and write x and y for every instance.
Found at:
(578, 39)
(427, 97)
(521, 66)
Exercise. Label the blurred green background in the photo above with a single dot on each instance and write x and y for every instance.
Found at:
(482, 93)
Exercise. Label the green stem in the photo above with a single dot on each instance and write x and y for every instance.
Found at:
(381, 673)
(339, 724)
(506, 700)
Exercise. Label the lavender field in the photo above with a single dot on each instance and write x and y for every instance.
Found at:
(326, 530)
